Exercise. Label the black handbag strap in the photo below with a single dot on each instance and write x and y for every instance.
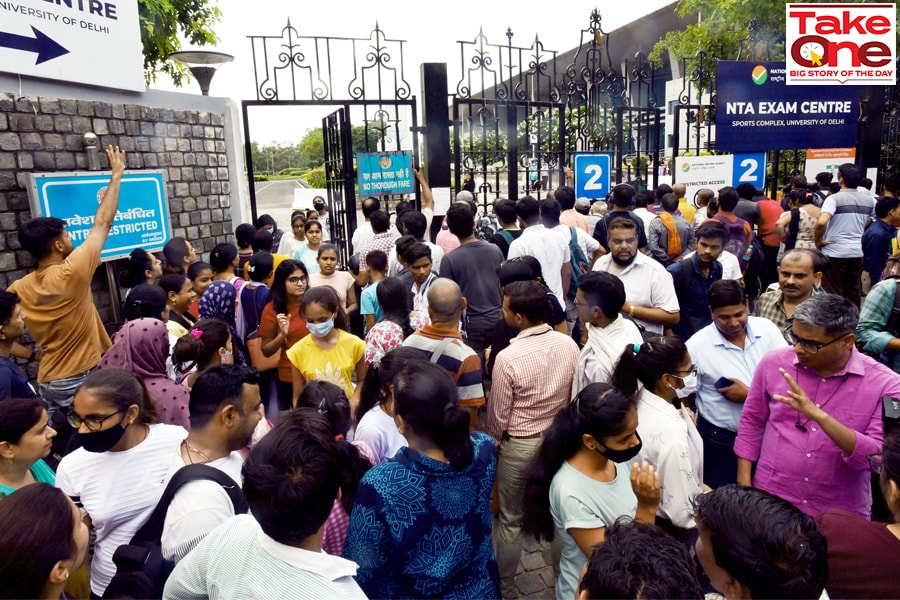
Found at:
(151, 531)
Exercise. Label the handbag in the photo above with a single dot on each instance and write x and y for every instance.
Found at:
(254, 348)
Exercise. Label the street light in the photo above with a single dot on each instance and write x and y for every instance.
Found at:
(202, 63)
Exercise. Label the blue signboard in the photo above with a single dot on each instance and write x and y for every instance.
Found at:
(383, 173)
(142, 219)
(749, 168)
(592, 175)
(756, 110)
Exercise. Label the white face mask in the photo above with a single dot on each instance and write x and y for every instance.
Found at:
(689, 387)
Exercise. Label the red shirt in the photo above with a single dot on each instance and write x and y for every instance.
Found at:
(769, 211)
(268, 329)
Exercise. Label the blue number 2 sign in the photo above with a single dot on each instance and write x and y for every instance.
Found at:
(592, 175)
(749, 168)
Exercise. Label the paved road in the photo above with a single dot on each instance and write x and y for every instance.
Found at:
(275, 198)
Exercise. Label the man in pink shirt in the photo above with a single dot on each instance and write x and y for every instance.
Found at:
(812, 419)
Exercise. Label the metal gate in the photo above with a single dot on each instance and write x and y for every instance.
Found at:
(295, 70)
(339, 176)
(520, 113)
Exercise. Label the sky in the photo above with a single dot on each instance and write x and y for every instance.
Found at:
(430, 29)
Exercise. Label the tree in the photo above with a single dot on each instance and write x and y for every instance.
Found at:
(163, 21)
(312, 148)
(723, 27)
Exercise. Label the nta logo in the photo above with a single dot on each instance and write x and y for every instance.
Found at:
(685, 167)
(759, 75)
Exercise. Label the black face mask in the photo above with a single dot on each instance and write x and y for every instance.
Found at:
(621, 456)
(101, 441)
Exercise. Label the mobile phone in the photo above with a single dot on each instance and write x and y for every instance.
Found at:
(723, 382)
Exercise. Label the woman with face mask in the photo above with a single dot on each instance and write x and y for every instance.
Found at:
(582, 479)
(329, 352)
(118, 474)
(659, 373)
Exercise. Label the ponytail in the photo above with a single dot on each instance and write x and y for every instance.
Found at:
(561, 442)
(353, 466)
(196, 349)
(599, 410)
(453, 436)
(648, 362)
(426, 397)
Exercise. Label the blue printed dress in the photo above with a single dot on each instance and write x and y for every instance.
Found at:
(420, 528)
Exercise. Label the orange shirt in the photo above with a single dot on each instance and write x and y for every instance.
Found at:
(61, 316)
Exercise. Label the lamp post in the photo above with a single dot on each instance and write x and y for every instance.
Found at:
(202, 63)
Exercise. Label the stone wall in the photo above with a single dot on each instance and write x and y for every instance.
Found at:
(44, 134)
(195, 140)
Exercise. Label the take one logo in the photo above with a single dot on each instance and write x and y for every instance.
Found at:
(759, 75)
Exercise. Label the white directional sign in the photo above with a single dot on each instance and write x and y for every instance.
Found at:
(97, 42)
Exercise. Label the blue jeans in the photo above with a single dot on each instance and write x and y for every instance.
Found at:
(59, 395)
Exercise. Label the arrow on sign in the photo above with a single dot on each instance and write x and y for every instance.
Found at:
(45, 48)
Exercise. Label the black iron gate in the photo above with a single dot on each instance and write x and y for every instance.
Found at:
(295, 70)
(519, 115)
(339, 176)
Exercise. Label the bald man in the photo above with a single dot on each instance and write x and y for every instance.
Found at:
(442, 343)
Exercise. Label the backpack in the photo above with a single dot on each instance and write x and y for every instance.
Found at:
(579, 262)
(141, 570)
(737, 241)
(506, 235)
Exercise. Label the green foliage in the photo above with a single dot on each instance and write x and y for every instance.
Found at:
(722, 28)
(259, 177)
(315, 177)
(162, 22)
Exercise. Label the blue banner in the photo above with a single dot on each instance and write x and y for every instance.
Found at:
(756, 110)
(383, 173)
(142, 219)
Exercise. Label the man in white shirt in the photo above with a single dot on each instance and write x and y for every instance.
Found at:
(729, 348)
(291, 479)
(551, 218)
(651, 301)
(599, 301)
(641, 201)
(225, 408)
(545, 245)
(364, 234)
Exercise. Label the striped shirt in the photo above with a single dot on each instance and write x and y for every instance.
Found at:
(532, 381)
(461, 361)
(238, 560)
(850, 211)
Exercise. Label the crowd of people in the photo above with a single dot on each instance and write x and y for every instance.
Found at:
(682, 397)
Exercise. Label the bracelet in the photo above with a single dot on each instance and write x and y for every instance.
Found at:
(33, 355)
(631, 310)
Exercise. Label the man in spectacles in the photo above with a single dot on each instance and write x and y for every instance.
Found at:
(813, 413)
(726, 353)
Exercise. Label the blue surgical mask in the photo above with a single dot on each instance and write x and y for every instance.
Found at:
(321, 329)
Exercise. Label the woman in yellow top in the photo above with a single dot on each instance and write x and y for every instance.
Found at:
(329, 353)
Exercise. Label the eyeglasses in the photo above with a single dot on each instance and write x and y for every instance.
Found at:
(93, 423)
(810, 346)
(874, 463)
(297, 280)
(577, 303)
(691, 371)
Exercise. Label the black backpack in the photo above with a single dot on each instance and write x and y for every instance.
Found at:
(141, 570)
